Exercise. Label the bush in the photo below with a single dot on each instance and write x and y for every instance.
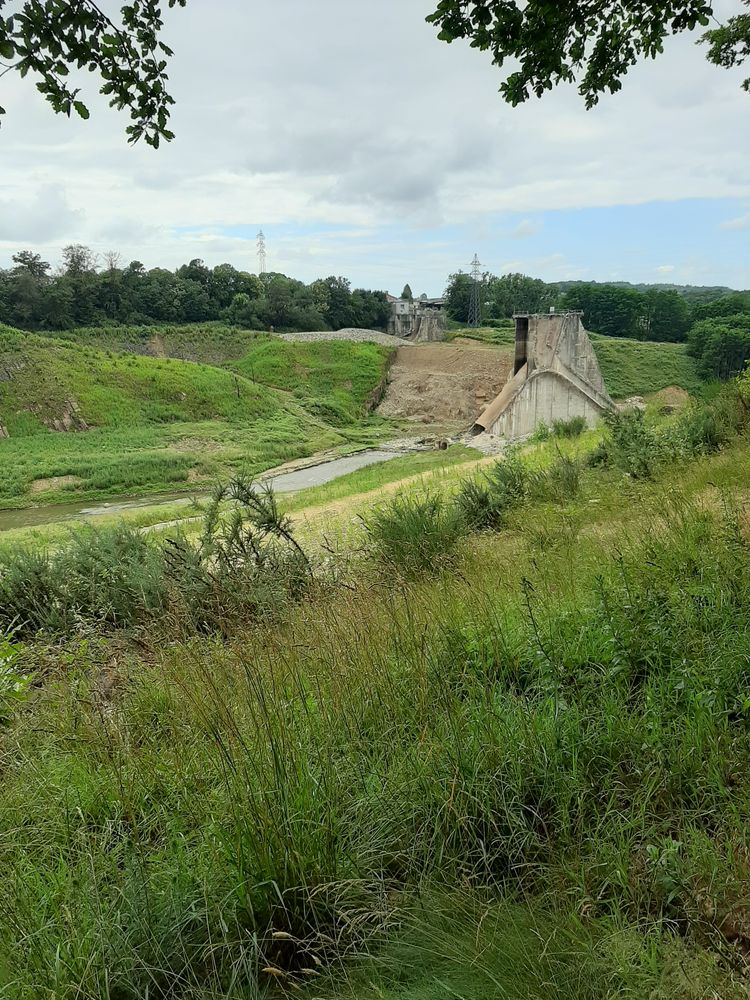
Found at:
(108, 576)
(630, 445)
(637, 448)
(562, 481)
(13, 684)
(541, 433)
(246, 563)
(484, 503)
(572, 428)
(415, 533)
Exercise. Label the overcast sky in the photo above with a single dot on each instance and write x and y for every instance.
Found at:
(363, 146)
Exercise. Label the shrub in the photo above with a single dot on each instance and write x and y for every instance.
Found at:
(541, 433)
(413, 533)
(630, 445)
(572, 428)
(562, 481)
(245, 563)
(484, 503)
(103, 575)
(13, 683)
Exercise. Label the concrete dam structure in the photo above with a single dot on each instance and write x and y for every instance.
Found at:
(555, 376)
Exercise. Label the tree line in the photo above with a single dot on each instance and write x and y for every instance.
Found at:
(87, 291)
(714, 325)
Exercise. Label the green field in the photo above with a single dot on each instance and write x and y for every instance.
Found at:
(639, 367)
(165, 424)
(212, 343)
(157, 424)
(519, 773)
(336, 380)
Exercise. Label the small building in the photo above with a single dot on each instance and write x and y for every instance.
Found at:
(419, 319)
(555, 376)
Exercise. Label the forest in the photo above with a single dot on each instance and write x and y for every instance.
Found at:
(87, 291)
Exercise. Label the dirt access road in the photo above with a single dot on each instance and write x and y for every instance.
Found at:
(445, 382)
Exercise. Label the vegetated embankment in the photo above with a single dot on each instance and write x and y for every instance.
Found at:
(506, 761)
(147, 424)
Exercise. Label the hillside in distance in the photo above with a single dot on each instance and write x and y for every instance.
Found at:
(145, 424)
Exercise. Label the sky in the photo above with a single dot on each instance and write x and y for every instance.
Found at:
(365, 147)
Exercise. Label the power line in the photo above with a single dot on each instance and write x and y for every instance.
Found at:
(475, 302)
(261, 253)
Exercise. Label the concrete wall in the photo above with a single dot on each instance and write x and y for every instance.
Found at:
(557, 378)
(417, 322)
(543, 398)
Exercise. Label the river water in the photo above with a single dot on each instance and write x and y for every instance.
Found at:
(283, 482)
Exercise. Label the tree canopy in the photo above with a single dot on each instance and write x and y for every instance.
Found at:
(82, 293)
(46, 38)
(591, 42)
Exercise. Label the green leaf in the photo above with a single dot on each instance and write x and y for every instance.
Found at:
(82, 110)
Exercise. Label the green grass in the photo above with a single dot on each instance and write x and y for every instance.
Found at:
(118, 390)
(337, 380)
(636, 368)
(521, 775)
(503, 336)
(158, 425)
(212, 343)
(569, 751)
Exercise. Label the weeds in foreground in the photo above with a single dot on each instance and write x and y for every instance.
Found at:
(413, 533)
(640, 448)
(246, 564)
(245, 814)
(571, 428)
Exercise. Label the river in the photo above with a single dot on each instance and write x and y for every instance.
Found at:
(283, 482)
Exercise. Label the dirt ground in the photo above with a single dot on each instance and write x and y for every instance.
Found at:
(434, 382)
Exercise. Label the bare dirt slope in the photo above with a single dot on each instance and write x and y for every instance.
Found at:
(445, 382)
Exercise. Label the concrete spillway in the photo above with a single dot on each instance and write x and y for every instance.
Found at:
(555, 376)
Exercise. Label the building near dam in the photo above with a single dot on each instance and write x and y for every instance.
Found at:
(555, 376)
(418, 320)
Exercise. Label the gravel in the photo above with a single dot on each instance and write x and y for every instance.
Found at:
(370, 336)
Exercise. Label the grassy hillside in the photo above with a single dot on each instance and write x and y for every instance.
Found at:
(156, 423)
(521, 773)
(336, 380)
(46, 377)
(637, 367)
(210, 343)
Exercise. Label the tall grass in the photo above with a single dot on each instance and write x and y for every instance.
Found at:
(244, 564)
(265, 806)
(519, 776)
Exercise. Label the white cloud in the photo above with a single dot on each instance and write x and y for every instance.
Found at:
(666, 269)
(738, 224)
(354, 116)
(525, 229)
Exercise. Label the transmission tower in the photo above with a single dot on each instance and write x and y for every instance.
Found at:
(475, 303)
(261, 253)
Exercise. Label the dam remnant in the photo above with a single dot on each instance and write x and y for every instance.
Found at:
(419, 320)
(555, 376)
